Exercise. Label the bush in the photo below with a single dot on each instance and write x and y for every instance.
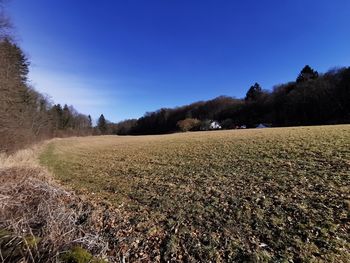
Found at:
(79, 255)
(188, 124)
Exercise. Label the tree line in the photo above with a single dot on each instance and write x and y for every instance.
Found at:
(26, 116)
(312, 99)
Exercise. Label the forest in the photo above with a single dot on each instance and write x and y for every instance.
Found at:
(312, 99)
(27, 116)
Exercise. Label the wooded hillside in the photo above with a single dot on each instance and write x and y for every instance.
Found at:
(26, 116)
(312, 99)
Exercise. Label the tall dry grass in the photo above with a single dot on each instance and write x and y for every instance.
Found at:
(39, 220)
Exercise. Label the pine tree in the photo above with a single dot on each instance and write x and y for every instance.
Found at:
(306, 74)
(253, 93)
(102, 124)
(90, 121)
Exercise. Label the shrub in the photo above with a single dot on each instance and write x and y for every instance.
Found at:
(188, 124)
(79, 255)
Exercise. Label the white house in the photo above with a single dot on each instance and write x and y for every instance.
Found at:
(261, 126)
(214, 125)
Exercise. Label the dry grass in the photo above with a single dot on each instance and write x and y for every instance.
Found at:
(39, 220)
(253, 195)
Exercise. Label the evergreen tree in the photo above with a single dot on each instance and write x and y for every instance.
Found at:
(254, 93)
(90, 121)
(306, 74)
(102, 124)
(66, 117)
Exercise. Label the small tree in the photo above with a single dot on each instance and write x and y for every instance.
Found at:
(188, 124)
(102, 124)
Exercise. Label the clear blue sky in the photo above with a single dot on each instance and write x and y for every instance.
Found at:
(123, 58)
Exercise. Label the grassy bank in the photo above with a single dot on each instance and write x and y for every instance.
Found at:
(40, 221)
